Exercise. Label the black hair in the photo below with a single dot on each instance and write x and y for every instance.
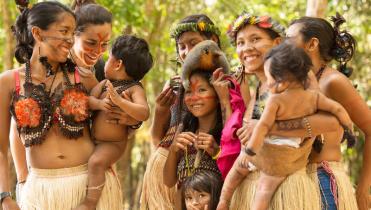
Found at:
(289, 61)
(135, 55)
(195, 19)
(42, 15)
(333, 43)
(204, 181)
(188, 120)
(89, 13)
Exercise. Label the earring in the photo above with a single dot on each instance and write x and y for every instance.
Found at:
(44, 61)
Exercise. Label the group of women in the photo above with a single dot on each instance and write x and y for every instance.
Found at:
(62, 49)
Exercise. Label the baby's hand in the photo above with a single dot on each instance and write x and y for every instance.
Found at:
(105, 104)
(113, 95)
(245, 159)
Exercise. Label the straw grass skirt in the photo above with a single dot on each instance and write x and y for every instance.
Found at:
(298, 191)
(155, 194)
(65, 188)
(244, 194)
(346, 193)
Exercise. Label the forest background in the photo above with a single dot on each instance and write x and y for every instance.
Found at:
(152, 20)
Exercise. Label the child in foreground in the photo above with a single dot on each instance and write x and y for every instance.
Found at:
(201, 191)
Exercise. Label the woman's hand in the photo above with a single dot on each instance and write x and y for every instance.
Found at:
(207, 142)
(165, 100)
(117, 116)
(9, 204)
(221, 85)
(182, 141)
(244, 133)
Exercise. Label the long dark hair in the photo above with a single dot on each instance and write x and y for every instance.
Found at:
(333, 43)
(204, 181)
(42, 15)
(88, 12)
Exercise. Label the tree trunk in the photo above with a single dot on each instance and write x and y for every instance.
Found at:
(9, 40)
(316, 8)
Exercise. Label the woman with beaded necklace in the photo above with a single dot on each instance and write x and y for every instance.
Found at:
(47, 97)
(89, 28)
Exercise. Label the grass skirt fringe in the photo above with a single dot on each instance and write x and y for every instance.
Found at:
(65, 188)
(346, 193)
(298, 191)
(244, 194)
(155, 194)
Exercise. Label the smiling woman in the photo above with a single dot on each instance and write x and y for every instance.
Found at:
(93, 33)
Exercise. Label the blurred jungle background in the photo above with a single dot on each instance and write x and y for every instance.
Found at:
(152, 20)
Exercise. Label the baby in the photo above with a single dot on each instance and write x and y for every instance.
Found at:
(286, 68)
(128, 62)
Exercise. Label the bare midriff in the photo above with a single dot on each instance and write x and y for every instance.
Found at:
(57, 151)
(331, 150)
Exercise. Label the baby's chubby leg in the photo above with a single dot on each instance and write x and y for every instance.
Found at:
(235, 176)
(267, 186)
(104, 156)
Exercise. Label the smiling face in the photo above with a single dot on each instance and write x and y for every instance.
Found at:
(57, 40)
(252, 44)
(92, 43)
(200, 98)
(196, 199)
(187, 41)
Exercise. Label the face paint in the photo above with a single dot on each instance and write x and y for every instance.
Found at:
(194, 94)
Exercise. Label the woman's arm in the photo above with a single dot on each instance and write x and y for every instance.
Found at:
(321, 122)
(6, 87)
(161, 117)
(18, 153)
(221, 87)
(339, 88)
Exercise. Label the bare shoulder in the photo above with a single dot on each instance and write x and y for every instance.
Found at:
(7, 79)
(136, 89)
(334, 80)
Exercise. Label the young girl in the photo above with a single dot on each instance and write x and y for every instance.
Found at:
(156, 195)
(200, 130)
(286, 68)
(201, 191)
(128, 62)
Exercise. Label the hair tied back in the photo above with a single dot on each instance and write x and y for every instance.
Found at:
(344, 46)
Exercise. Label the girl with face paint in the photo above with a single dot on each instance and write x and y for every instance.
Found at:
(186, 34)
